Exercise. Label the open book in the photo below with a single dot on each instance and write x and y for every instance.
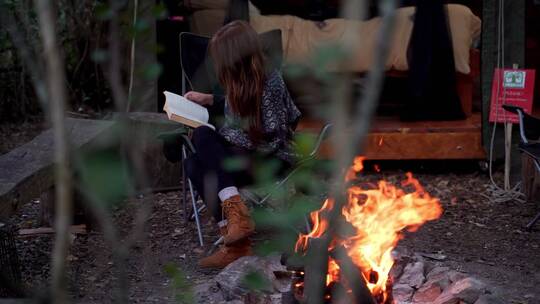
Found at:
(184, 111)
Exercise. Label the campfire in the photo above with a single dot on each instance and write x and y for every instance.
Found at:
(377, 213)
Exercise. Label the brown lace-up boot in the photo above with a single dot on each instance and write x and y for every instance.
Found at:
(240, 225)
(226, 254)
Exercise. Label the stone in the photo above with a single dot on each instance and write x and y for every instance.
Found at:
(437, 271)
(427, 293)
(402, 293)
(467, 289)
(413, 274)
(396, 271)
(441, 279)
(231, 280)
(455, 276)
(488, 299)
(262, 298)
(208, 292)
(434, 256)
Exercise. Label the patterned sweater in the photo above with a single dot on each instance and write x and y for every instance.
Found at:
(279, 119)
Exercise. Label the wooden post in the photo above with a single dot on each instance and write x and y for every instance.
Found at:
(507, 154)
(508, 148)
(514, 51)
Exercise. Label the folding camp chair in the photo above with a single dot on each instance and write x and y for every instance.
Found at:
(529, 130)
(197, 74)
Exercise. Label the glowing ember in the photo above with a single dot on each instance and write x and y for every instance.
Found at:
(378, 215)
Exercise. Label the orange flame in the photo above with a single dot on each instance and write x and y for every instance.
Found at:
(358, 165)
(378, 217)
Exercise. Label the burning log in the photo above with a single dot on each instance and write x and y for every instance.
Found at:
(372, 219)
(315, 270)
(352, 274)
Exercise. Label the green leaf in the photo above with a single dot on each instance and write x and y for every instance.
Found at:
(255, 281)
(99, 55)
(266, 171)
(140, 26)
(286, 220)
(281, 243)
(153, 71)
(180, 284)
(236, 163)
(159, 11)
(105, 175)
(296, 71)
(103, 11)
(305, 142)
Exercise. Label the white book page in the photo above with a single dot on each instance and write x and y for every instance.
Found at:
(181, 106)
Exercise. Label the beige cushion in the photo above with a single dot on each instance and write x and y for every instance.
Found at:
(301, 37)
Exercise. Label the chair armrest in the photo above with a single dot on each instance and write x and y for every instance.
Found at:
(322, 136)
(512, 108)
(529, 126)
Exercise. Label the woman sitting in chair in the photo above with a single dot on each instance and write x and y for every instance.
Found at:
(260, 118)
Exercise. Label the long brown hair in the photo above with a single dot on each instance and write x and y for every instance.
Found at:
(239, 61)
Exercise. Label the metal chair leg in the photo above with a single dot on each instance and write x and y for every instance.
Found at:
(531, 223)
(196, 212)
(194, 203)
(184, 192)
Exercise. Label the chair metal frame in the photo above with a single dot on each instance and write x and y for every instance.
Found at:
(525, 141)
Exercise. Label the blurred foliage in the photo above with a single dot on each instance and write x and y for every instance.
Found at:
(79, 33)
(255, 281)
(106, 175)
(180, 284)
(82, 28)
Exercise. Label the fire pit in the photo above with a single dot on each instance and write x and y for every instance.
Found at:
(360, 262)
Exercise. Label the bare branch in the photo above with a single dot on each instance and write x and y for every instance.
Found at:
(346, 147)
(57, 99)
(115, 61)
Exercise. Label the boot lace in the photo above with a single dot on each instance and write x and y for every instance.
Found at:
(229, 211)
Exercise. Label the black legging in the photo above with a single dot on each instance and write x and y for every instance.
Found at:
(207, 167)
(206, 170)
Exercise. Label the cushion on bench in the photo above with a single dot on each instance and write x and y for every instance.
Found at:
(301, 37)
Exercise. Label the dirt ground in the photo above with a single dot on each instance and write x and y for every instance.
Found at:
(477, 236)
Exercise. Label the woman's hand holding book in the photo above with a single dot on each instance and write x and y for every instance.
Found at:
(202, 99)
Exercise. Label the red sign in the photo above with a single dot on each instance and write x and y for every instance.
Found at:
(510, 86)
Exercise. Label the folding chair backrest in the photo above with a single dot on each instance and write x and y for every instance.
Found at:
(197, 67)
